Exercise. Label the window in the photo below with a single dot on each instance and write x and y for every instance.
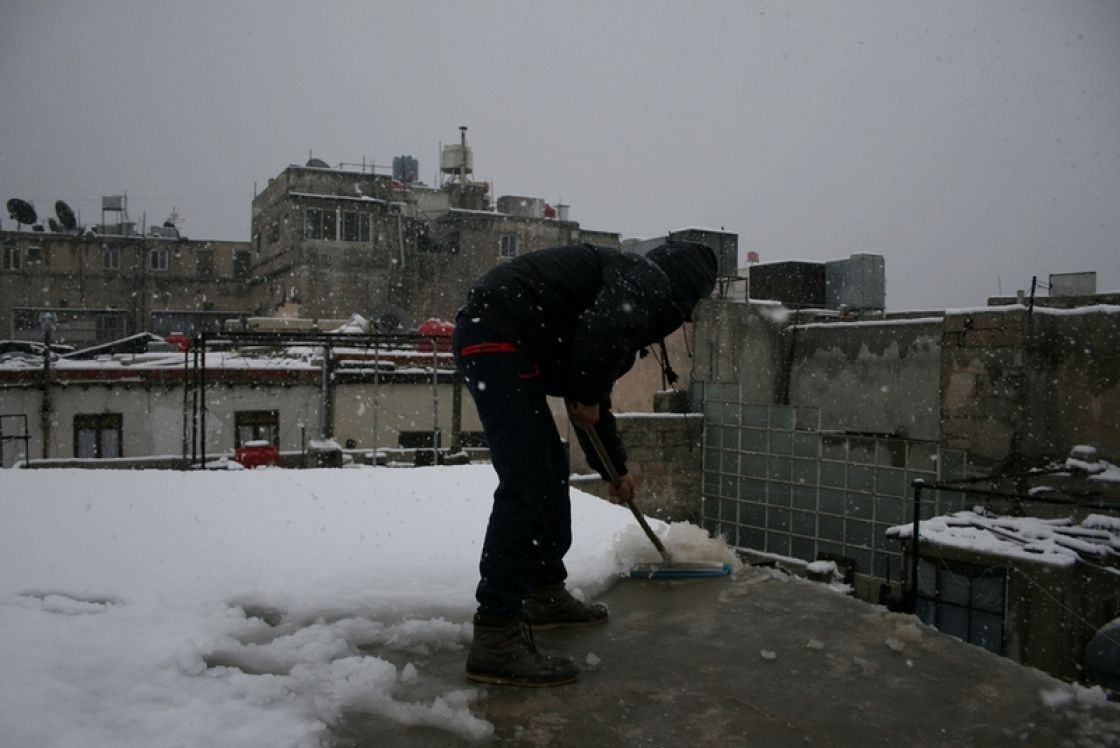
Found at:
(319, 224)
(25, 319)
(313, 224)
(110, 257)
(964, 600)
(11, 257)
(157, 259)
(97, 435)
(110, 326)
(355, 227)
(507, 247)
(256, 425)
(242, 264)
(417, 439)
(34, 254)
(204, 263)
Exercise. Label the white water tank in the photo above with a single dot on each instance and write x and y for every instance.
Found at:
(456, 159)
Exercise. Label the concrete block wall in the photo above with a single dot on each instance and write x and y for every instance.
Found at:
(665, 457)
(1022, 387)
(982, 378)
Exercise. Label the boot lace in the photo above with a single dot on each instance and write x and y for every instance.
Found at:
(527, 636)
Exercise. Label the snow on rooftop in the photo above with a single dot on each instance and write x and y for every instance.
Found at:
(1058, 542)
(892, 322)
(235, 609)
(1091, 309)
(358, 199)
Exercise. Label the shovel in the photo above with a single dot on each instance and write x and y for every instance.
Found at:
(668, 569)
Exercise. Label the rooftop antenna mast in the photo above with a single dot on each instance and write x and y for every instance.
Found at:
(463, 162)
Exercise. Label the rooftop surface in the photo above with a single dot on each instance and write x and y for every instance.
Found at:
(762, 659)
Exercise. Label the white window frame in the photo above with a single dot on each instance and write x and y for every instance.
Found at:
(507, 246)
(158, 259)
(111, 258)
(11, 257)
(361, 226)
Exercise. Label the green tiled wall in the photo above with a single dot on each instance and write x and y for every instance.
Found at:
(773, 482)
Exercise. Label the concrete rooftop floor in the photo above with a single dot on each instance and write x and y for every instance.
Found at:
(760, 659)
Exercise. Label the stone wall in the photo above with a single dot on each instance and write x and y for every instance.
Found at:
(869, 377)
(1022, 387)
(665, 458)
(64, 272)
(983, 377)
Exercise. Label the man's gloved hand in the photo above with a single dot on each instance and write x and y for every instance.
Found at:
(583, 416)
(624, 489)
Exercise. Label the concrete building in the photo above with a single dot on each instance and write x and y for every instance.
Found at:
(326, 243)
(174, 409)
(331, 242)
(94, 288)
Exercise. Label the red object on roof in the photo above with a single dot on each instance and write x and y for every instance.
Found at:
(180, 341)
(437, 327)
(255, 454)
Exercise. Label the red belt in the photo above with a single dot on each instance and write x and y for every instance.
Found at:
(477, 348)
(498, 347)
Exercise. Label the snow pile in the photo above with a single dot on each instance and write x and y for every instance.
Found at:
(356, 325)
(683, 541)
(253, 607)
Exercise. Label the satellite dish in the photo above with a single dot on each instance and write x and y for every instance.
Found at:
(22, 211)
(55, 227)
(65, 216)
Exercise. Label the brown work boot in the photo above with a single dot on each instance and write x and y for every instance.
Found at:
(553, 606)
(503, 653)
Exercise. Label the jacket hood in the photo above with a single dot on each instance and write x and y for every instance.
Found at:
(691, 268)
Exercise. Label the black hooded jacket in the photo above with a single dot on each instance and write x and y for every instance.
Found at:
(583, 312)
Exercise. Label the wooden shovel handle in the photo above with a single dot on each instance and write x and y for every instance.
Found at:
(612, 471)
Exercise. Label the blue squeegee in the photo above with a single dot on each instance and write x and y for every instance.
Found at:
(669, 569)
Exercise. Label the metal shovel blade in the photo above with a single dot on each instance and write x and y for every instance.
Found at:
(680, 570)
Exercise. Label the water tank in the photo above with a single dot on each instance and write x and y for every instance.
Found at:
(794, 283)
(858, 282)
(523, 207)
(1102, 656)
(1073, 284)
(406, 169)
(455, 159)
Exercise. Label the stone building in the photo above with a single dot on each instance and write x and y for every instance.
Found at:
(331, 242)
(326, 243)
(93, 288)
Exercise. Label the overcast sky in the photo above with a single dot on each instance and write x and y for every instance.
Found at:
(973, 144)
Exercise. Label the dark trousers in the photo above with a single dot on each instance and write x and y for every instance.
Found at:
(530, 526)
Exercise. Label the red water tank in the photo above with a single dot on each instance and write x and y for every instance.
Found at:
(256, 453)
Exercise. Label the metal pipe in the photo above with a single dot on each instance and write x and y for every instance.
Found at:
(376, 401)
(45, 406)
(326, 420)
(193, 382)
(202, 400)
(186, 400)
(918, 485)
(435, 401)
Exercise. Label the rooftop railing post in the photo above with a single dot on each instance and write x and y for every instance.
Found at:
(912, 596)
